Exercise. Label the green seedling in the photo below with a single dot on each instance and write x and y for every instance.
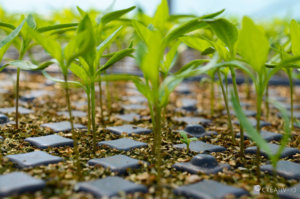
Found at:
(106, 23)
(88, 68)
(255, 135)
(158, 83)
(65, 56)
(23, 45)
(253, 46)
(228, 35)
(184, 139)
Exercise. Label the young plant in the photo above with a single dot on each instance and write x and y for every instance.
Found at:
(23, 45)
(88, 68)
(184, 139)
(77, 46)
(150, 57)
(4, 44)
(105, 24)
(225, 46)
(257, 138)
(253, 47)
(295, 39)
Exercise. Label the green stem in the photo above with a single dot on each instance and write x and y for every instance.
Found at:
(89, 110)
(157, 137)
(93, 115)
(108, 98)
(212, 97)
(17, 98)
(267, 102)
(248, 88)
(291, 97)
(74, 134)
(235, 88)
(259, 92)
(227, 107)
(101, 103)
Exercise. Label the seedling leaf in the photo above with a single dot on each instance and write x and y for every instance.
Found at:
(226, 31)
(12, 35)
(295, 36)
(253, 45)
(115, 58)
(251, 132)
(115, 15)
(27, 65)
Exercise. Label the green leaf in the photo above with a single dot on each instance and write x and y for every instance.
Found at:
(251, 132)
(195, 42)
(27, 65)
(62, 82)
(295, 36)
(185, 28)
(253, 45)
(117, 77)
(149, 57)
(143, 89)
(212, 15)
(287, 131)
(12, 35)
(141, 30)
(170, 58)
(115, 58)
(82, 12)
(83, 44)
(7, 25)
(49, 44)
(79, 72)
(56, 27)
(115, 15)
(161, 15)
(3, 67)
(31, 22)
(184, 136)
(166, 88)
(225, 31)
(103, 45)
(192, 64)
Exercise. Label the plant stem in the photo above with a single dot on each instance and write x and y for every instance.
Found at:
(74, 134)
(101, 104)
(157, 137)
(89, 110)
(227, 107)
(17, 98)
(108, 98)
(291, 97)
(259, 92)
(267, 102)
(212, 97)
(242, 148)
(93, 115)
(248, 88)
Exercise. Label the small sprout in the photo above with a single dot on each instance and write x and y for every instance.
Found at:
(184, 139)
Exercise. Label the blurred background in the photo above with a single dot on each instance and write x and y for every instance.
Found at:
(257, 9)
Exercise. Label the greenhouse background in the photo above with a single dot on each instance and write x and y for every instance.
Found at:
(150, 99)
(257, 9)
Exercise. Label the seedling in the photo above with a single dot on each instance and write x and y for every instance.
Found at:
(88, 68)
(76, 47)
(228, 35)
(150, 57)
(255, 135)
(253, 46)
(184, 139)
(25, 43)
